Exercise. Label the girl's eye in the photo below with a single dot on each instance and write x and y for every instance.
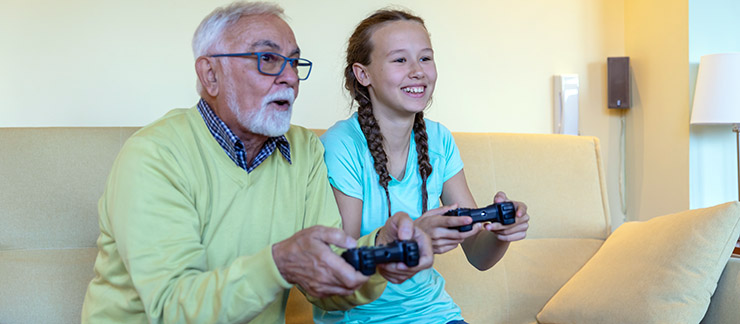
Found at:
(400, 60)
(425, 58)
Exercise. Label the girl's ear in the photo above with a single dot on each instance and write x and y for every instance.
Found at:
(361, 74)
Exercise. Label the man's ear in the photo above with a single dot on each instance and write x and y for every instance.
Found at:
(207, 75)
(361, 74)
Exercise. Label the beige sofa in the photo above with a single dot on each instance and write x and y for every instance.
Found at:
(51, 179)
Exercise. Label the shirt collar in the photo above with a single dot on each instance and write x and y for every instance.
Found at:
(233, 146)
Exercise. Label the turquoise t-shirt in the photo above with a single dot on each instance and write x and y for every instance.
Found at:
(422, 298)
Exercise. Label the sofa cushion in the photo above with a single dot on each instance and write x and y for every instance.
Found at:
(664, 270)
(723, 308)
(517, 287)
(44, 286)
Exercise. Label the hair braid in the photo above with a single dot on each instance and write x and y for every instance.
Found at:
(422, 150)
(358, 51)
(370, 128)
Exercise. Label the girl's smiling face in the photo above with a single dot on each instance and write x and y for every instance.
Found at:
(402, 72)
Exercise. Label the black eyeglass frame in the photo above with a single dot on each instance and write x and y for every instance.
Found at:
(294, 62)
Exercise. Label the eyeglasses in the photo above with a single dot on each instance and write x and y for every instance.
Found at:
(273, 63)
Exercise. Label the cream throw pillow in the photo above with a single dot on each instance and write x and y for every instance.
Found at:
(664, 270)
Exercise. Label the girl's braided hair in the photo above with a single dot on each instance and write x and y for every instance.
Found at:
(358, 51)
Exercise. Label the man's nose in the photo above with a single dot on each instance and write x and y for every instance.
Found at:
(288, 76)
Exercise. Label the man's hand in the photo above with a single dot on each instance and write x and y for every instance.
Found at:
(306, 259)
(401, 227)
(437, 226)
(512, 232)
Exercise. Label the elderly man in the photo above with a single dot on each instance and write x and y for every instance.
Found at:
(211, 214)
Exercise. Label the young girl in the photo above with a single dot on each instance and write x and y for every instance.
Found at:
(387, 158)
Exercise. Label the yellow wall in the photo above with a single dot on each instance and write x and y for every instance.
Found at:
(656, 39)
(101, 63)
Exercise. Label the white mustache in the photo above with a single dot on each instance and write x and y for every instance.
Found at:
(286, 94)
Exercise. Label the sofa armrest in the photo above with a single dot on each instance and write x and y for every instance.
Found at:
(723, 307)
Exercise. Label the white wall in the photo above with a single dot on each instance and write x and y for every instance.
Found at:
(713, 28)
(109, 63)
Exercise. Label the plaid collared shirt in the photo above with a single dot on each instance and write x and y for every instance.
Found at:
(233, 146)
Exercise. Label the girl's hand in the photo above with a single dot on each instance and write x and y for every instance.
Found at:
(401, 227)
(512, 232)
(442, 229)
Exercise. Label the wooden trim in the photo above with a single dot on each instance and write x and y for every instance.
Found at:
(736, 252)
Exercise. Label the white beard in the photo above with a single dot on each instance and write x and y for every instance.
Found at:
(264, 121)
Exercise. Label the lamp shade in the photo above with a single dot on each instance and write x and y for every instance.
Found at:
(717, 94)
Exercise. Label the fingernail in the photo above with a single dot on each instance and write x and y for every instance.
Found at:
(351, 243)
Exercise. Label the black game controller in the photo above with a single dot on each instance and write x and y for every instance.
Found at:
(504, 213)
(365, 258)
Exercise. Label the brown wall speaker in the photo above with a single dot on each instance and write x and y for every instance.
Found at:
(618, 82)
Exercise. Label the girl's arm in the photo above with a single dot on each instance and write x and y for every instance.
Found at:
(396, 272)
(489, 245)
(351, 210)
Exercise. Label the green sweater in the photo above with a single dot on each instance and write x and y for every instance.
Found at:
(186, 235)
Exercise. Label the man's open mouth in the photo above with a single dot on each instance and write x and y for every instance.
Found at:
(282, 103)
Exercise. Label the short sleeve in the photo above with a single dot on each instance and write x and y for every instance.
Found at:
(452, 154)
(343, 161)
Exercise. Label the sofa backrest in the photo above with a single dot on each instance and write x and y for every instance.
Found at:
(561, 176)
(52, 178)
(561, 179)
(50, 182)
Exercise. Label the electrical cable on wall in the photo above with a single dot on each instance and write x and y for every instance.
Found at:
(622, 167)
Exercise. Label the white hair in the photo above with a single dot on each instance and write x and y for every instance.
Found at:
(264, 120)
(208, 35)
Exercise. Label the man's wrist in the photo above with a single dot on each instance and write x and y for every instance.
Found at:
(278, 260)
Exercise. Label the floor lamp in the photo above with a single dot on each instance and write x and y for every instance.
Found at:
(717, 97)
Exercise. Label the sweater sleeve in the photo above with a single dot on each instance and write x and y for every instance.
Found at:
(158, 236)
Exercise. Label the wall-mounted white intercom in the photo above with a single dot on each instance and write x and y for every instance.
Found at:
(565, 96)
